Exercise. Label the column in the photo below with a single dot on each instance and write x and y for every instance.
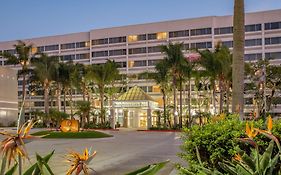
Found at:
(125, 118)
(149, 122)
(112, 118)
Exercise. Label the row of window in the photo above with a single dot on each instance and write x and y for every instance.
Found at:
(143, 50)
(75, 57)
(229, 30)
(257, 56)
(248, 43)
(74, 45)
(273, 40)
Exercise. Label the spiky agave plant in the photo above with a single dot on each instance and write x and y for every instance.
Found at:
(14, 144)
(79, 162)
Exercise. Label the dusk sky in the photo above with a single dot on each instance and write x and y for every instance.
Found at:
(21, 19)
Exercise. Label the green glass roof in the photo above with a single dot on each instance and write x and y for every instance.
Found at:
(134, 94)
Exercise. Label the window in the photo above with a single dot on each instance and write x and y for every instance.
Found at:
(204, 31)
(82, 44)
(201, 45)
(228, 44)
(272, 26)
(100, 41)
(154, 49)
(141, 63)
(100, 54)
(152, 36)
(152, 62)
(117, 40)
(122, 64)
(186, 46)
(40, 49)
(67, 57)
(82, 56)
(252, 56)
(273, 55)
(180, 33)
(38, 103)
(68, 46)
(117, 52)
(134, 38)
(275, 40)
(253, 42)
(253, 28)
(137, 50)
(11, 51)
(161, 35)
(248, 101)
(223, 30)
(52, 47)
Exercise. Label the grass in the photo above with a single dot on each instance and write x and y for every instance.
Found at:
(71, 135)
(149, 169)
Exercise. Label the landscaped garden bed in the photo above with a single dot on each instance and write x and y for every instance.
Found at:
(72, 135)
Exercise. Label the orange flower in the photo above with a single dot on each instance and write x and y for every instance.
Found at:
(237, 157)
(79, 162)
(269, 123)
(14, 144)
(250, 131)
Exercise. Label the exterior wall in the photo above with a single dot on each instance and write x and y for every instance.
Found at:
(8, 96)
(212, 22)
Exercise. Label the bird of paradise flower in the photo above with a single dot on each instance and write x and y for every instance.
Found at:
(14, 144)
(79, 162)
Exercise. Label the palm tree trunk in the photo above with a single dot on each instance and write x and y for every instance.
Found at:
(227, 97)
(102, 105)
(46, 97)
(164, 107)
(58, 95)
(71, 102)
(214, 99)
(64, 101)
(22, 118)
(238, 58)
(175, 101)
(221, 96)
(180, 112)
(189, 103)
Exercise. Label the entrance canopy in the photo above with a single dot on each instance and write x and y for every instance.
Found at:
(135, 98)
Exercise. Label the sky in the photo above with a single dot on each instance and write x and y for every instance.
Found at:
(22, 19)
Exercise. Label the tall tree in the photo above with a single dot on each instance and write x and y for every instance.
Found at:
(238, 58)
(103, 75)
(45, 69)
(22, 56)
(175, 58)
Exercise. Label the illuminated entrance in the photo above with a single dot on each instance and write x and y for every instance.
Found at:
(133, 109)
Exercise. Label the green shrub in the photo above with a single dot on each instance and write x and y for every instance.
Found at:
(215, 141)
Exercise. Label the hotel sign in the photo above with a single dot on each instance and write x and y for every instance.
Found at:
(130, 104)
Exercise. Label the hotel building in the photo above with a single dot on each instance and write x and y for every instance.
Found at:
(136, 47)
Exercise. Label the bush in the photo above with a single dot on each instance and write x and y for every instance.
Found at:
(216, 141)
(92, 125)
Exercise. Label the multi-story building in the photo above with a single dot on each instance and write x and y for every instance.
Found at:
(136, 47)
(8, 96)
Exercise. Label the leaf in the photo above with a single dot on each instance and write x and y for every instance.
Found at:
(265, 159)
(12, 170)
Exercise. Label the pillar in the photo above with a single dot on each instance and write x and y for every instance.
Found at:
(125, 119)
(112, 118)
(149, 118)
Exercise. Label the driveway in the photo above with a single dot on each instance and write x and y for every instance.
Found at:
(125, 152)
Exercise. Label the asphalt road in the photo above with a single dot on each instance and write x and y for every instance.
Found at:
(125, 152)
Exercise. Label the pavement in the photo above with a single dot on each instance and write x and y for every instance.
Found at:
(126, 151)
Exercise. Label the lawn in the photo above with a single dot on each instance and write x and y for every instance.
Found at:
(72, 135)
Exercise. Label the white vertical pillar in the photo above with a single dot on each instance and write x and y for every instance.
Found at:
(112, 118)
(149, 120)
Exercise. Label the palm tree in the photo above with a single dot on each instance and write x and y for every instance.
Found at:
(45, 69)
(238, 58)
(63, 79)
(83, 109)
(103, 75)
(175, 59)
(21, 57)
(212, 68)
